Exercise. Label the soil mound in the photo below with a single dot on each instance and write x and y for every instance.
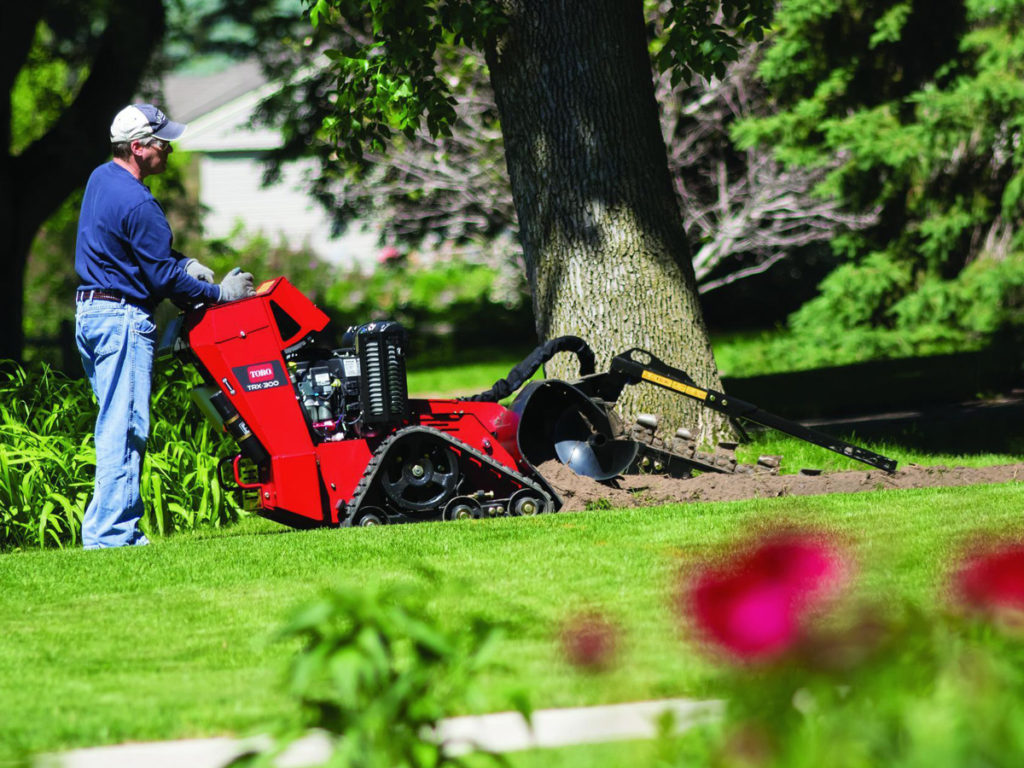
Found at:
(645, 490)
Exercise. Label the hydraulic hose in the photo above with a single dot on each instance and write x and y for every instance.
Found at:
(522, 372)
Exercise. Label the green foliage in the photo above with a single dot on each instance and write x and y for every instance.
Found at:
(266, 260)
(377, 674)
(878, 308)
(42, 90)
(387, 77)
(915, 110)
(47, 460)
(452, 309)
(388, 81)
(702, 38)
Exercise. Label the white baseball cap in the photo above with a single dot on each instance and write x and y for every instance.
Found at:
(140, 121)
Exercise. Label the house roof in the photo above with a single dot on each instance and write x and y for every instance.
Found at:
(190, 95)
(217, 108)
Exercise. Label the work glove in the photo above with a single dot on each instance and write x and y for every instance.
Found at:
(237, 285)
(199, 271)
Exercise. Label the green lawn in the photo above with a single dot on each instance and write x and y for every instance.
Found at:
(173, 640)
(458, 380)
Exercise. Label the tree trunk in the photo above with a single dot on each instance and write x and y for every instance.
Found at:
(601, 230)
(35, 183)
(12, 277)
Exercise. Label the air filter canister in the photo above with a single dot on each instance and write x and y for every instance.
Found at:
(383, 390)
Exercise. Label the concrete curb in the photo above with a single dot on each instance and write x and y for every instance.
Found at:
(509, 731)
(498, 732)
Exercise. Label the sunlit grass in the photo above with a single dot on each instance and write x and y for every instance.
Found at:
(457, 380)
(174, 640)
(745, 353)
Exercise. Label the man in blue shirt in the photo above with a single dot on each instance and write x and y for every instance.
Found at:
(124, 258)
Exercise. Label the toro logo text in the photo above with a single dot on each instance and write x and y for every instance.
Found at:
(257, 376)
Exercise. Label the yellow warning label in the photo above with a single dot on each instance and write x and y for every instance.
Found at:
(678, 386)
(265, 286)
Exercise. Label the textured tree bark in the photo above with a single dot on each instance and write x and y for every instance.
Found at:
(34, 183)
(600, 225)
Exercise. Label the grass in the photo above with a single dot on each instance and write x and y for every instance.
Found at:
(174, 640)
(744, 353)
(457, 380)
(738, 353)
(797, 454)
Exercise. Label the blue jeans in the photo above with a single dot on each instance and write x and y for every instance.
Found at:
(116, 341)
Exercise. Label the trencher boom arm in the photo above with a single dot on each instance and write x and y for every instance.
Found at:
(656, 372)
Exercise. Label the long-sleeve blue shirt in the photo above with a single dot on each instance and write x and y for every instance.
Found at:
(124, 243)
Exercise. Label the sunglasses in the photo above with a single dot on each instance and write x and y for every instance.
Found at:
(159, 144)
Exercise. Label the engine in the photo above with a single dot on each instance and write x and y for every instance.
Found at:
(355, 390)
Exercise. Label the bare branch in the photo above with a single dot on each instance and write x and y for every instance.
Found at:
(732, 277)
(740, 207)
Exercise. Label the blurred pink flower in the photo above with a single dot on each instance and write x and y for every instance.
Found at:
(752, 607)
(992, 578)
(389, 255)
(590, 641)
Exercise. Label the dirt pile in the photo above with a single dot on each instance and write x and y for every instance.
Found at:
(646, 490)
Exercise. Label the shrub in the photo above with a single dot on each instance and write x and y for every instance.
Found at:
(863, 314)
(47, 460)
(376, 676)
(450, 308)
(867, 311)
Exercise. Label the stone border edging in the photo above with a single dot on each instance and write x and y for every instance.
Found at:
(499, 732)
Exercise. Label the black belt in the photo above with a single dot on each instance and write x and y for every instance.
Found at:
(112, 296)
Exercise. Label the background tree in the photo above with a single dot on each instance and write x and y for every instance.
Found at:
(742, 209)
(603, 242)
(56, 123)
(915, 110)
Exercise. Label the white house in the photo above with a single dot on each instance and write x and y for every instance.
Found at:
(229, 155)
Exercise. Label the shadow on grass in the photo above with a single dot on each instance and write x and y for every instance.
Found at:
(969, 403)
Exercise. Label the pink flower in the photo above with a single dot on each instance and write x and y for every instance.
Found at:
(590, 641)
(753, 606)
(992, 579)
(389, 255)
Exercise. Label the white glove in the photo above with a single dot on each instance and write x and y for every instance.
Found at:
(237, 285)
(198, 271)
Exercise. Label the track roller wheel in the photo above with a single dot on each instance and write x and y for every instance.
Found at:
(372, 516)
(462, 508)
(421, 474)
(526, 502)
